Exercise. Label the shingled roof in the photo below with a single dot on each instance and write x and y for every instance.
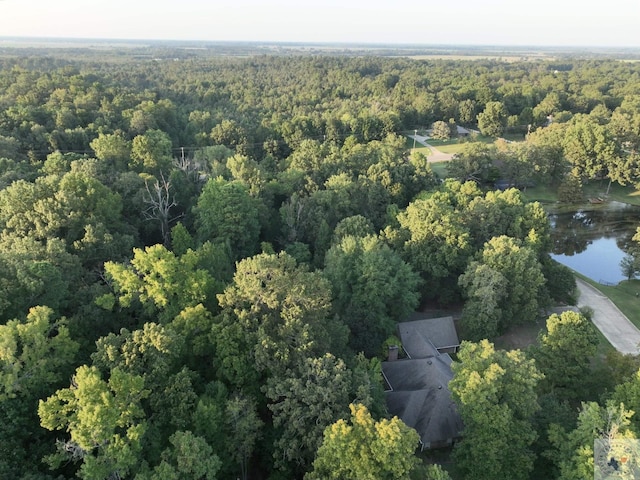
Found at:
(440, 332)
(419, 385)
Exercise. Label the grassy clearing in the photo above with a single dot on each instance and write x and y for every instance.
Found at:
(617, 192)
(440, 169)
(514, 137)
(541, 193)
(453, 148)
(426, 151)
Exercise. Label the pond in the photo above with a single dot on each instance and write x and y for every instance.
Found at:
(594, 239)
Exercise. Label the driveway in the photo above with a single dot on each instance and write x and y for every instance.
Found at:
(613, 324)
(436, 155)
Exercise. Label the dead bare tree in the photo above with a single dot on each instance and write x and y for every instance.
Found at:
(160, 201)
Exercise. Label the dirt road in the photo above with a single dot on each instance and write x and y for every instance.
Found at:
(613, 324)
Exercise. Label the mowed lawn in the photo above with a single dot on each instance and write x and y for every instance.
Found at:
(426, 151)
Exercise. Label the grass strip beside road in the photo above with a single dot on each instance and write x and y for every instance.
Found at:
(625, 295)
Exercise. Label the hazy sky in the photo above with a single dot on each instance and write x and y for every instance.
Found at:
(503, 22)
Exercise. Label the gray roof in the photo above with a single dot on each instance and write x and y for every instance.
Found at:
(440, 332)
(416, 374)
(421, 397)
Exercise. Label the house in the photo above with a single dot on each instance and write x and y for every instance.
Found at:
(418, 386)
(462, 132)
(440, 332)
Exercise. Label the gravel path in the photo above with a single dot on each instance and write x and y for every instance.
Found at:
(436, 155)
(621, 333)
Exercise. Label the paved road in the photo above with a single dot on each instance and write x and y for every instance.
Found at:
(436, 155)
(613, 324)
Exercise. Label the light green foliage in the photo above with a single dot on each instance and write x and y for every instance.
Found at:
(435, 472)
(574, 455)
(151, 152)
(366, 449)
(356, 226)
(493, 119)
(75, 208)
(495, 392)
(628, 393)
(150, 352)
(188, 457)
(248, 172)
(486, 289)
(274, 315)
(181, 239)
(440, 130)
(517, 162)
(507, 213)
(104, 421)
(162, 282)
(563, 353)
(113, 149)
(36, 357)
(305, 400)
(34, 354)
(230, 134)
(373, 288)
(226, 212)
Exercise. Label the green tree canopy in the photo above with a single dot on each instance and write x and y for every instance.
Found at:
(563, 353)
(495, 392)
(493, 119)
(226, 212)
(104, 420)
(366, 449)
(373, 289)
(274, 315)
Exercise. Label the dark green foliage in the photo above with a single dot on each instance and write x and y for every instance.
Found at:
(561, 283)
(373, 289)
(227, 213)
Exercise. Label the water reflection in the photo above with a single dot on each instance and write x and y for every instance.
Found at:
(594, 239)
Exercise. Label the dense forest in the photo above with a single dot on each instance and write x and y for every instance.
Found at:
(203, 259)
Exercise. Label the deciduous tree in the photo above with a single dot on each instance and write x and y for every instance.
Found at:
(104, 420)
(495, 392)
(366, 449)
(373, 289)
(563, 353)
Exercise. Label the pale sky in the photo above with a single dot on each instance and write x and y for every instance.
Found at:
(482, 22)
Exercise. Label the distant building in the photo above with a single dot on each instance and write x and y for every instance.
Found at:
(418, 386)
(462, 132)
